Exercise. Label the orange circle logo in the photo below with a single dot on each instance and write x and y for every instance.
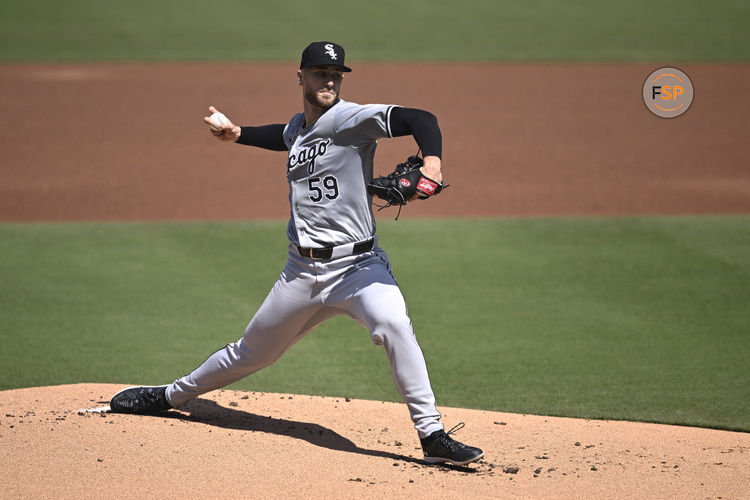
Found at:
(668, 92)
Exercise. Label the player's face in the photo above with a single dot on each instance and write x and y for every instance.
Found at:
(321, 85)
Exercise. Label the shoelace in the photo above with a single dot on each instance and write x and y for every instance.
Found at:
(456, 428)
(448, 441)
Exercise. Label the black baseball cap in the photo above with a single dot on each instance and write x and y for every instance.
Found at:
(322, 54)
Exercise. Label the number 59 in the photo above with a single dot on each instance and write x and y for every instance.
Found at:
(330, 184)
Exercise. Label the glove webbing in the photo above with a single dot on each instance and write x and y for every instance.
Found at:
(390, 203)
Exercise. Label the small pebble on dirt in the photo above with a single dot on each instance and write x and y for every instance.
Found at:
(511, 470)
(233, 403)
(578, 443)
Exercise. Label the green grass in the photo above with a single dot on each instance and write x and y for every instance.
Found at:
(624, 318)
(666, 31)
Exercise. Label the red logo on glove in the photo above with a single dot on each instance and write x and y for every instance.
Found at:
(405, 183)
(427, 186)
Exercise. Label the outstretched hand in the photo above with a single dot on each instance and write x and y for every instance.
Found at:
(225, 131)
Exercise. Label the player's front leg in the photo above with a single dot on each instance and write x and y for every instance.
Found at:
(372, 297)
(383, 310)
(379, 305)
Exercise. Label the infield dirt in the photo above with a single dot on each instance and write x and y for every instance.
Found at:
(127, 142)
(236, 444)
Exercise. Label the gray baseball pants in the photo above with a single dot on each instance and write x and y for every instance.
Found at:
(307, 293)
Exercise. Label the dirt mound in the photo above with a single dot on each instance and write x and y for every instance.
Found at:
(232, 443)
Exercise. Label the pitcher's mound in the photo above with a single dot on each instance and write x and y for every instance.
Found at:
(231, 443)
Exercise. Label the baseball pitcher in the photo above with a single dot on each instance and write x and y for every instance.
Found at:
(335, 265)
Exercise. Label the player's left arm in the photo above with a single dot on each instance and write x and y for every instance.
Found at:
(423, 126)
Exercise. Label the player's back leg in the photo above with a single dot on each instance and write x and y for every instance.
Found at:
(284, 318)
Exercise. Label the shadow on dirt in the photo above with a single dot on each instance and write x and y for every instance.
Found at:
(209, 412)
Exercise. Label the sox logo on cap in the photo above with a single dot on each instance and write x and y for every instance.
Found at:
(330, 51)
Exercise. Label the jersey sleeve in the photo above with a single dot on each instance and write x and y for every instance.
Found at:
(369, 121)
(292, 129)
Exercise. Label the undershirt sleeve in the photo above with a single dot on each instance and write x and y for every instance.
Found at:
(266, 137)
(423, 125)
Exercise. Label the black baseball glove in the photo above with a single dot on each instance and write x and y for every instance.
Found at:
(402, 184)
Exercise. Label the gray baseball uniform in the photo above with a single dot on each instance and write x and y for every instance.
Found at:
(328, 167)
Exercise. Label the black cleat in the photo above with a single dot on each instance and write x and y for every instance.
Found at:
(140, 400)
(440, 448)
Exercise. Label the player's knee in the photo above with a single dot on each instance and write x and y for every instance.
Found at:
(391, 328)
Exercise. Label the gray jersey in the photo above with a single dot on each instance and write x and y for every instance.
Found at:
(328, 168)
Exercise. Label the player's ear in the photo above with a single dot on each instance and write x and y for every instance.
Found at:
(299, 77)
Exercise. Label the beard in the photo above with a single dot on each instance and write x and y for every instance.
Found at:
(312, 97)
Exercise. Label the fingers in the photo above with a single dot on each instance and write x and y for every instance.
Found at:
(226, 122)
(227, 130)
(432, 168)
(212, 110)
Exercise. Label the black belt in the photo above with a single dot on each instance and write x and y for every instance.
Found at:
(326, 252)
